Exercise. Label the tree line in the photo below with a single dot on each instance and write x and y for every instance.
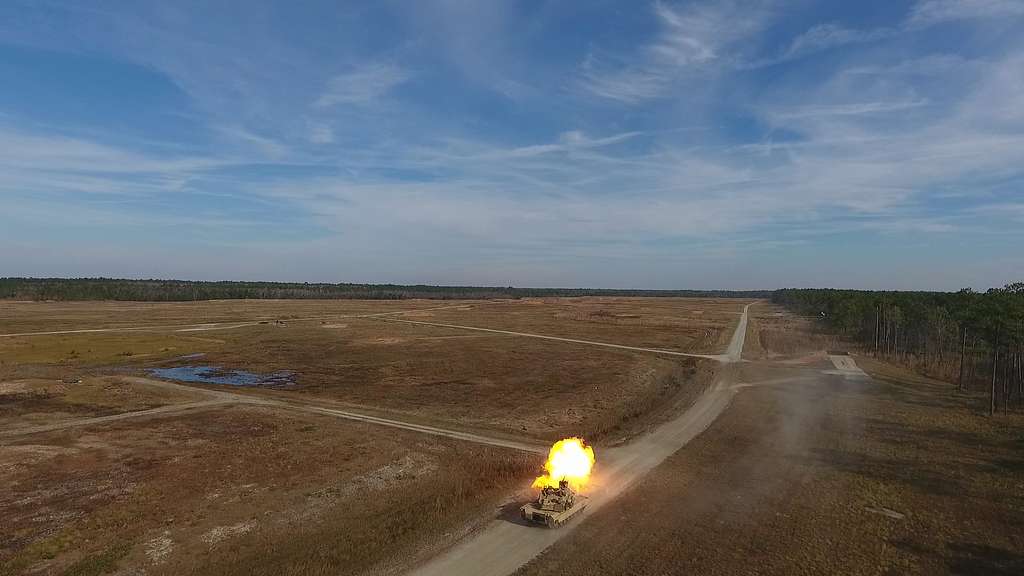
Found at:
(183, 290)
(972, 338)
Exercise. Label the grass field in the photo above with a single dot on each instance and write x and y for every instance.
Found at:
(809, 470)
(774, 333)
(242, 489)
(186, 493)
(442, 375)
(17, 317)
(31, 402)
(682, 324)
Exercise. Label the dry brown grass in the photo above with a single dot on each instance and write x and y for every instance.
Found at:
(25, 403)
(207, 492)
(444, 376)
(681, 324)
(17, 317)
(513, 385)
(774, 332)
(796, 478)
(384, 533)
(67, 356)
(243, 490)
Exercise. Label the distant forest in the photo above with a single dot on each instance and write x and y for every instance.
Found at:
(182, 290)
(971, 338)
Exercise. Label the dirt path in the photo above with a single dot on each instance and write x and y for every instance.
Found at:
(465, 436)
(206, 326)
(739, 337)
(507, 543)
(152, 412)
(221, 398)
(719, 357)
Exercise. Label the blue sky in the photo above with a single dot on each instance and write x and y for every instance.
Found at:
(594, 143)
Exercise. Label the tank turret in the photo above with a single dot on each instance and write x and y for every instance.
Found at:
(554, 505)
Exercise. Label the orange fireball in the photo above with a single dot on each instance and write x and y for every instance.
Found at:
(570, 459)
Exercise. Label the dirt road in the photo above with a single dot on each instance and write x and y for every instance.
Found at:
(507, 543)
(152, 412)
(207, 326)
(719, 357)
(465, 436)
(218, 398)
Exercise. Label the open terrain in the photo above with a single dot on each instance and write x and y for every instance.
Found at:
(34, 402)
(29, 316)
(350, 352)
(231, 488)
(693, 325)
(398, 435)
(819, 468)
(413, 434)
(776, 334)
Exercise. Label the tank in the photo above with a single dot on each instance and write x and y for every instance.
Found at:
(554, 506)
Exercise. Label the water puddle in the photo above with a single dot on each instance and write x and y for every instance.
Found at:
(218, 375)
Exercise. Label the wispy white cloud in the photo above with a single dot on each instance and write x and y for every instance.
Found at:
(573, 140)
(853, 109)
(903, 226)
(1000, 210)
(321, 134)
(362, 84)
(824, 36)
(552, 183)
(80, 172)
(623, 85)
(690, 36)
(922, 15)
(267, 146)
(843, 171)
(930, 65)
(55, 153)
(930, 12)
(846, 154)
